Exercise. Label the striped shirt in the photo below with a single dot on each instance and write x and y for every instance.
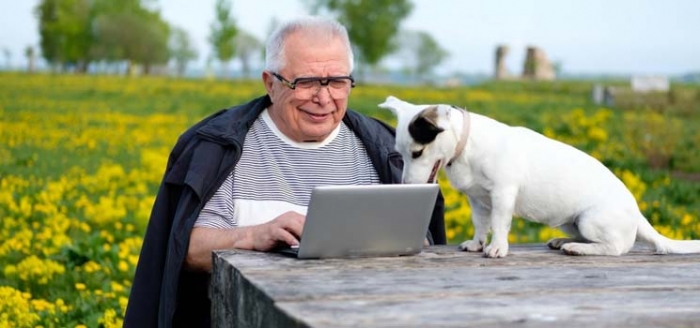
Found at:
(276, 174)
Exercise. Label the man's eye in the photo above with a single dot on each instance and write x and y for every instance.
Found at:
(339, 83)
(416, 153)
(306, 84)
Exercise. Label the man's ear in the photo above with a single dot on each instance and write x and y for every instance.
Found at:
(268, 79)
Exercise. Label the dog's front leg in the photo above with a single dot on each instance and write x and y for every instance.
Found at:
(502, 202)
(481, 219)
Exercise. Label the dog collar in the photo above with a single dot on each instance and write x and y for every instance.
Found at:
(463, 138)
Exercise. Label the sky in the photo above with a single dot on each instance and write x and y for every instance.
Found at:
(638, 37)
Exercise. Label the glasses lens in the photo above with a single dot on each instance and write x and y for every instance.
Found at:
(308, 87)
(340, 83)
(307, 84)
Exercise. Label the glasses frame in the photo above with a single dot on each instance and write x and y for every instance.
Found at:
(323, 81)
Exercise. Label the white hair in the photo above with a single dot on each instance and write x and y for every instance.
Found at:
(319, 27)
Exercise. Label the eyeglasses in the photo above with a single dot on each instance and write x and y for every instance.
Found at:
(306, 87)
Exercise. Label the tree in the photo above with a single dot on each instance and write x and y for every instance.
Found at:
(420, 53)
(181, 49)
(134, 35)
(429, 54)
(223, 33)
(75, 33)
(65, 28)
(247, 46)
(29, 53)
(8, 58)
(372, 24)
(152, 47)
(47, 13)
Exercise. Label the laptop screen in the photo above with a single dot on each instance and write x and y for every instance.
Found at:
(367, 220)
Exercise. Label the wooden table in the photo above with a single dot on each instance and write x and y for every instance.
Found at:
(444, 287)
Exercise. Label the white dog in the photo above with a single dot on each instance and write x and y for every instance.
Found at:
(506, 171)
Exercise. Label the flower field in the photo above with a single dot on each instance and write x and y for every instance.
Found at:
(81, 158)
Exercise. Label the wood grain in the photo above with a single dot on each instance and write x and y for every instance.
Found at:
(444, 287)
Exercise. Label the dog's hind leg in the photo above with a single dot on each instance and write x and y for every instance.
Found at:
(482, 225)
(572, 231)
(609, 232)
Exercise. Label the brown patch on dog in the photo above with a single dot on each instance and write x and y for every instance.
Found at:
(423, 128)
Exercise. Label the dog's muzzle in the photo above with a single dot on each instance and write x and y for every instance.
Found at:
(434, 171)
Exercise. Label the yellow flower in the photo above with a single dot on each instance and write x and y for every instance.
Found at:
(123, 301)
(80, 286)
(35, 269)
(123, 266)
(643, 206)
(91, 266)
(110, 319)
(597, 134)
(43, 305)
(15, 308)
(61, 304)
(117, 287)
(687, 219)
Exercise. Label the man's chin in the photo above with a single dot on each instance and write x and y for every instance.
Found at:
(317, 135)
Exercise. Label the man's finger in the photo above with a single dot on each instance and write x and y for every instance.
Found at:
(295, 227)
(287, 237)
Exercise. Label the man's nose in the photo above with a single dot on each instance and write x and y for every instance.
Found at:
(323, 95)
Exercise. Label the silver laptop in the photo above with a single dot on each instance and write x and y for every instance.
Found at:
(366, 221)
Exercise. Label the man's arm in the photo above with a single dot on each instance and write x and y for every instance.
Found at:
(263, 237)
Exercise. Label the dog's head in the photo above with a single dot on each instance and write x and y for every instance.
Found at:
(425, 138)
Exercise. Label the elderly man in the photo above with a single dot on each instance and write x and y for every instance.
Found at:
(241, 177)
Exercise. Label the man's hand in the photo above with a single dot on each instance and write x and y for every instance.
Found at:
(286, 228)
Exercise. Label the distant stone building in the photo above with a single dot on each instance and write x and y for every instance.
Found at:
(501, 73)
(537, 66)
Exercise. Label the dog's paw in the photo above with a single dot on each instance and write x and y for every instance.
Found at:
(496, 250)
(557, 243)
(471, 246)
(575, 249)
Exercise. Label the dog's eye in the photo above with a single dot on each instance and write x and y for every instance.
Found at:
(416, 153)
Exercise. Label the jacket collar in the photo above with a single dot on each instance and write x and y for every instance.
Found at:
(231, 127)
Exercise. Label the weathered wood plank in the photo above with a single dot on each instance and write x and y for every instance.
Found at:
(442, 286)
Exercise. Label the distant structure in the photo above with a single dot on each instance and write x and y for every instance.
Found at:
(650, 84)
(653, 91)
(537, 66)
(501, 73)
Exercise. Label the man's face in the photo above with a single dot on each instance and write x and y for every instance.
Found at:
(310, 114)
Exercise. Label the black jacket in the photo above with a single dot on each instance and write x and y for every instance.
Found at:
(163, 293)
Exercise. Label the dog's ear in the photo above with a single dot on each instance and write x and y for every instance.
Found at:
(394, 104)
(423, 128)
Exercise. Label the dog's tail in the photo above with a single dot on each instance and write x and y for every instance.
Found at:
(663, 245)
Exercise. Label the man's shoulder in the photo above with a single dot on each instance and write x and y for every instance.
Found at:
(224, 122)
(361, 123)
(377, 136)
